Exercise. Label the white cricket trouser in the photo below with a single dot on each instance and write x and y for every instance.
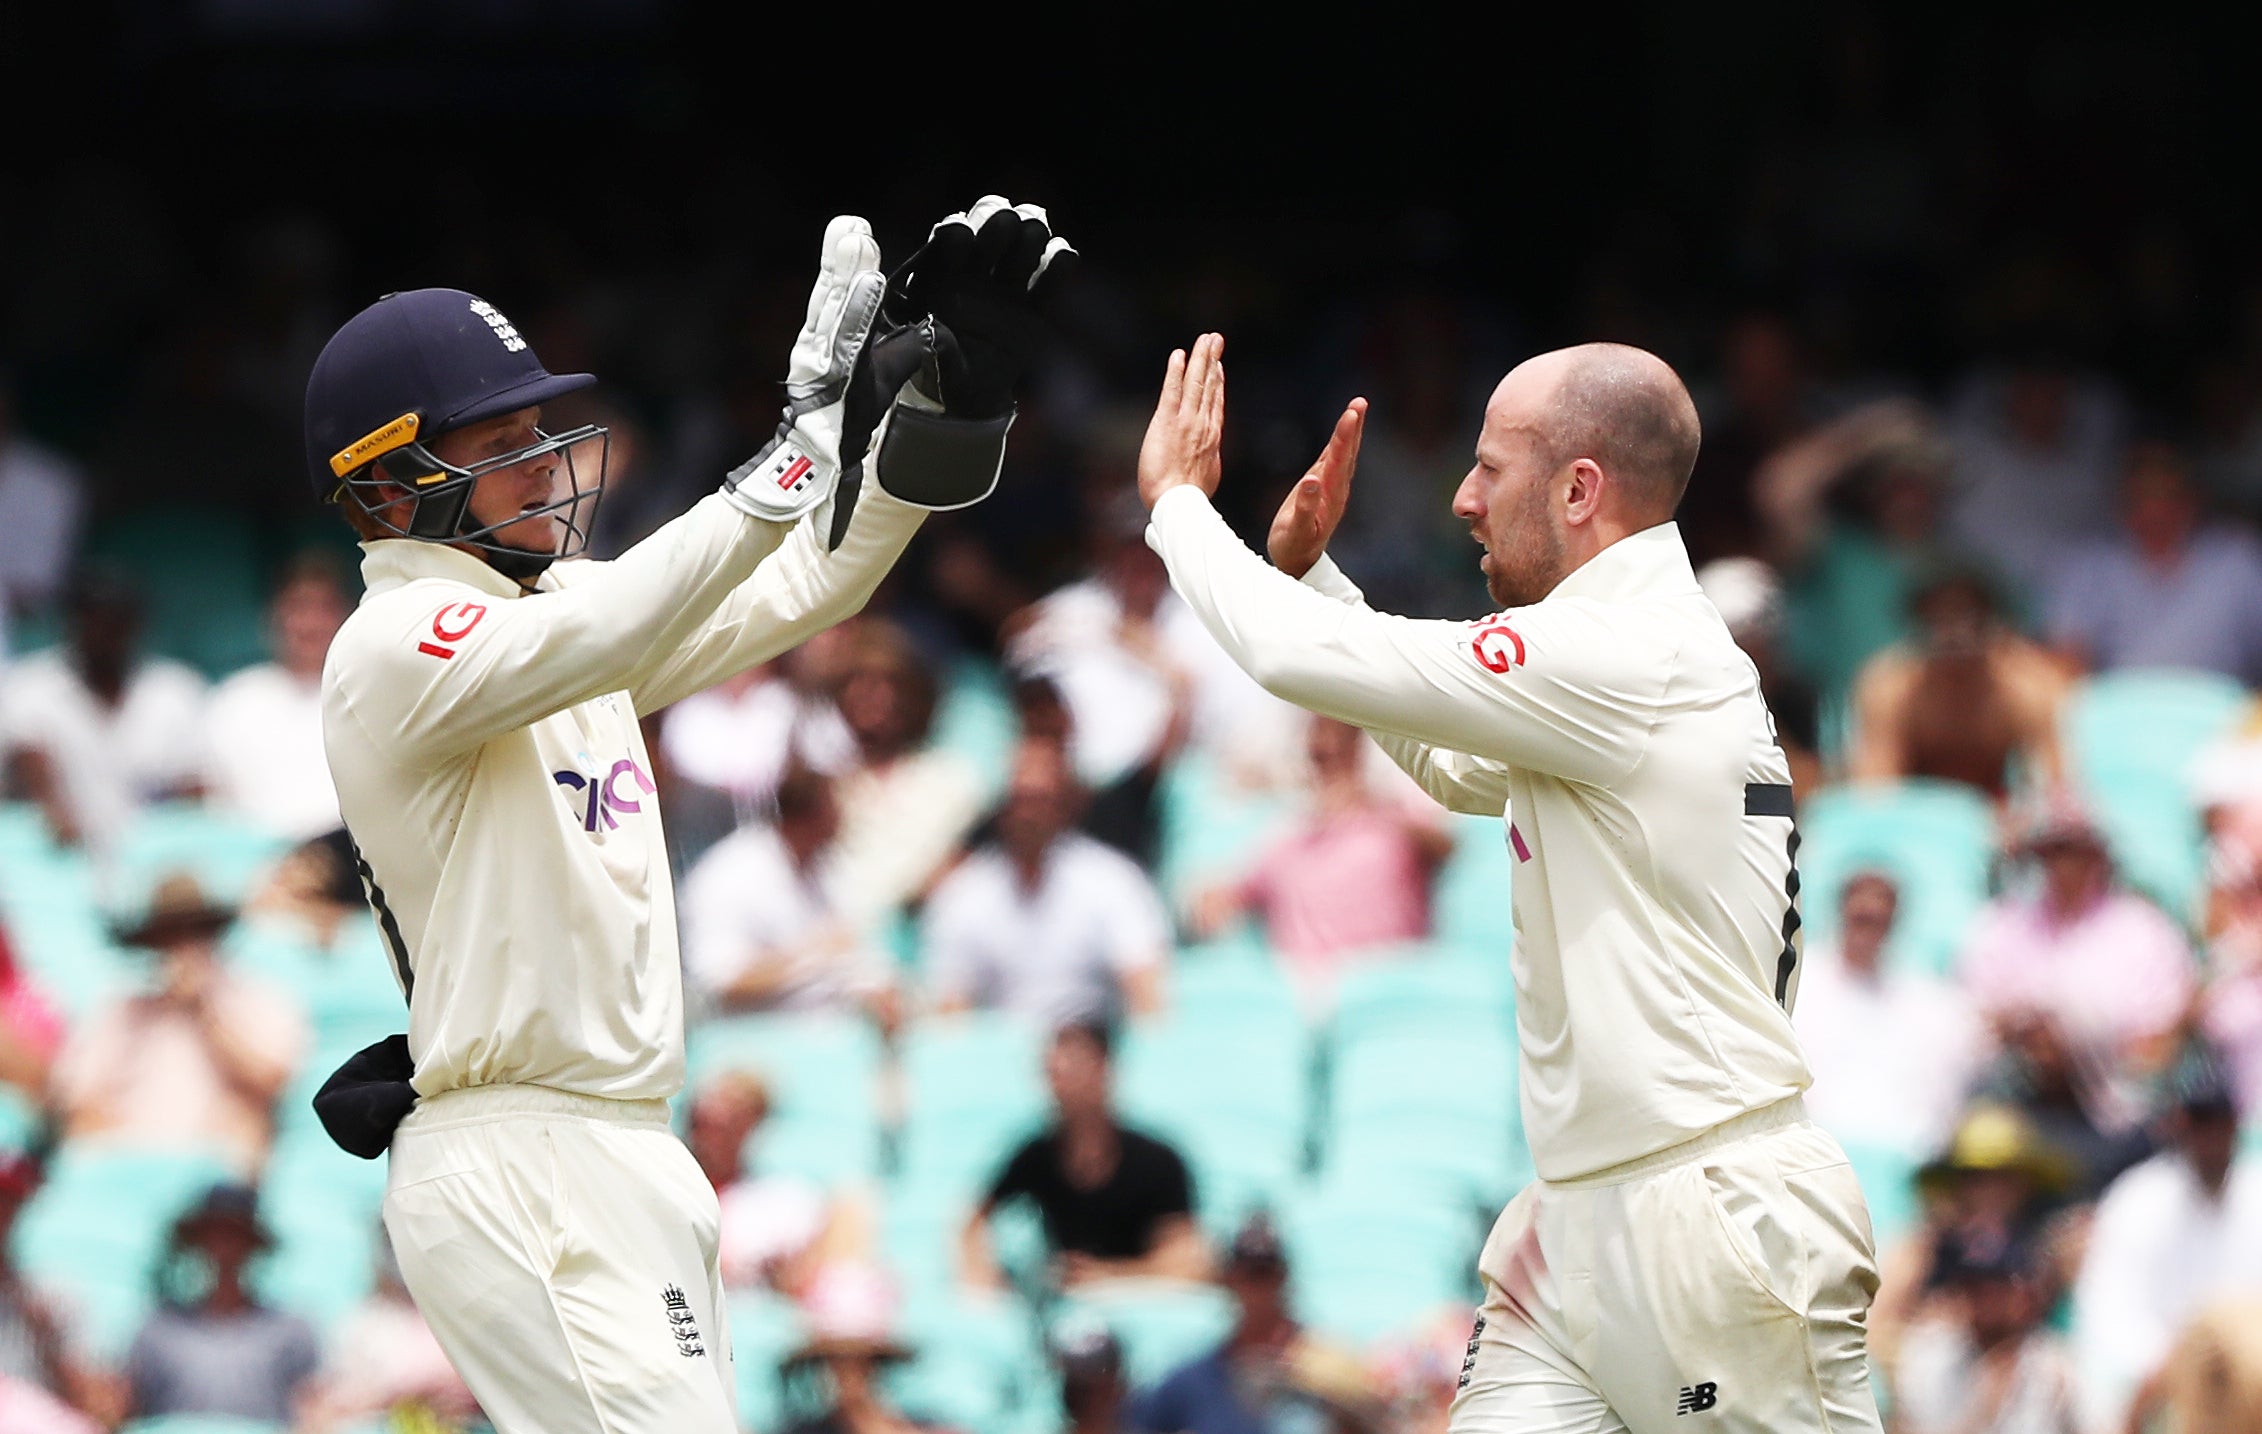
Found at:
(562, 1248)
(1723, 1284)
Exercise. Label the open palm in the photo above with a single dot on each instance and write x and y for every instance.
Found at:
(1307, 519)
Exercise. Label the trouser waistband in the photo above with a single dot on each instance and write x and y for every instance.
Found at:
(470, 1103)
(1786, 1112)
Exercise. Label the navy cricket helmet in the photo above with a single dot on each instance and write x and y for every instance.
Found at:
(415, 365)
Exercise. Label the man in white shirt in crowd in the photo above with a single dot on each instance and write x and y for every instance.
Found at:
(1046, 922)
(42, 498)
(1695, 1245)
(2169, 1237)
(764, 927)
(1894, 1052)
(94, 730)
(263, 757)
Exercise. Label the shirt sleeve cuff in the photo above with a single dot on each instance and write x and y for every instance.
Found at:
(1328, 580)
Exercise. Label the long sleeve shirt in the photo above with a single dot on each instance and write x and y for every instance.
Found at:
(490, 767)
(1620, 733)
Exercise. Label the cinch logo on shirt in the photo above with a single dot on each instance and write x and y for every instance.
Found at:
(605, 795)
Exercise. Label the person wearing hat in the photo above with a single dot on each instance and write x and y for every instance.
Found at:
(212, 1348)
(195, 1059)
(2173, 1234)
(1266, 1363)
(481, 717)
(1987, 1364)
(1093, 1390)
(833, 1375)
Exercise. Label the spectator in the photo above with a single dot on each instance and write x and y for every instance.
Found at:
(832, 1381)
(2167, 591)
(31, 1029)
(194, 1060)
(263, 758)
(28, 1409)
(384, 1369)
(1352, 874)
(1270, 1373)
(2036, 448)
(1999, 1181)
(1852, 514)
(1116, 1204)
(779, 1231)
(1092, 1387)
(1767, 406)
(1124, 811)
(212, 1348)
(94, 730)
(42, 497)
(738, 737)
(766, 924)
(1988, 1365)
(2102, 965)
(1141, 677)
(905, 806)
(1750, 602)
(2212, 1381)
(2180, 1230)
(1893, 1052)
(314, 887)
(2070, 1104)
(1966, 700)
(1046, 922)
(34, 1350)
(2230, 1008)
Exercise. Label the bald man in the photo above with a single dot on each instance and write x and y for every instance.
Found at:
(1695, 1254)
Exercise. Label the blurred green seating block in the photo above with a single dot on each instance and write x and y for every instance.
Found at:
(973, 1090)
(1431, 1107)
(1211, 830)
(1161, 1324)
(201, 575)
(1365, 1264)
(200, 1424)
(1471, 903)
(976, 1362)
(1936, 839)
(226, 855)
(1422, 987)
(823, 1072)
(95, 1228)
(2131, 737)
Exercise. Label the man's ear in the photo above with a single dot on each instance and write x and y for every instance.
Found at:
(1583, 498)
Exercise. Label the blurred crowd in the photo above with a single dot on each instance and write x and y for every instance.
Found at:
(1082, 1039)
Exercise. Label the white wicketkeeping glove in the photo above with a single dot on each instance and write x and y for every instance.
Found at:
(841, 381)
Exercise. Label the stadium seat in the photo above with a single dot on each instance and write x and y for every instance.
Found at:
(1888, 1187)
(1161, 1324)
(96, 1227)
(823, 1070)
(1937, 839)
(1364, 1266)
(1420, 987)
(764, 1329)
(1210, 830)
(50, 900)
(19, 1119)
(1434, 1109)
(1233, 1096)
(974, 718)
(1471, 903)
(2131, 737)
(973, 1088)
(226, 855)
(200, 1424)
(977, 1364)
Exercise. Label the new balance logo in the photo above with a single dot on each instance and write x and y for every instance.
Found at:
(1696, 1398)
(683, 1323)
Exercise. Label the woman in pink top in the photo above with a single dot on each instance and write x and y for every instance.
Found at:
(30, 1030)
(1353, 874)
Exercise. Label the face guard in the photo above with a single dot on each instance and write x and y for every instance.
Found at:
(434, 504)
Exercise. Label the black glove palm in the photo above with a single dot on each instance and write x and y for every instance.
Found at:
(986, 276)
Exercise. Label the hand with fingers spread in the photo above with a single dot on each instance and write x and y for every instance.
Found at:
(1184, 437)
(1308, 516)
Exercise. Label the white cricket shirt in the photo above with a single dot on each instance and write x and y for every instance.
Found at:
(1620, 732)
(490, 767)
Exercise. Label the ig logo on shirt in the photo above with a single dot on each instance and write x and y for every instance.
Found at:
(605, 795)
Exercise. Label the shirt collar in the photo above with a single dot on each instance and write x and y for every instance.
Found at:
(392, 562)
(1650, 563)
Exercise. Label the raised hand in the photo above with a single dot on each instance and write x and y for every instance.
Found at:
(1308, 516)
(1184, 437)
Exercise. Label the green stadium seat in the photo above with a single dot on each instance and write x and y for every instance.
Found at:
(1210, 831)
(201, 1424)
(1421, 987)
(764, 1329)
(1472, 901)
(1937, 839)
(974, 718)
(823, 1070)
(1231, 1095)
(1365, 1265)
(2130, 737)
(1430, 1108)
(973, 1089)
(226, 855)
(1888, 1187)
(1161, 1324)
(977, 1363)
(95, 1228)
